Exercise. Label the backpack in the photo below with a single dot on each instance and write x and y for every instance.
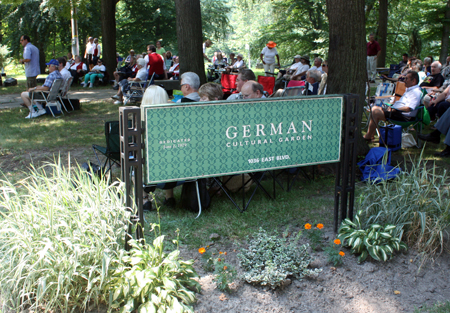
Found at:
(189, 199)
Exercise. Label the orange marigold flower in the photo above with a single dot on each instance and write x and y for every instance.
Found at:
(201, 250)
(220, 252)
(337, 241)
(225, 267)
(319, 226)
(307, 226)
(341, 253)
(225, 253)
(219, 259)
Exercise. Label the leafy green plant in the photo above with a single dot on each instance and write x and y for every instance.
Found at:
(148, 279)
(334, 253)
(59, 230)
(224, 273)
(417, 203)
(269, 260)
(377, 241)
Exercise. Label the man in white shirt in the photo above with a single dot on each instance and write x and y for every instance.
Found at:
(402, 110)
(317, 65)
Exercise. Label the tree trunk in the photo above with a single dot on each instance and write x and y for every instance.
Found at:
(189, 35)
(382, 31)
(108, 18)
(445, 34)
(347, 52)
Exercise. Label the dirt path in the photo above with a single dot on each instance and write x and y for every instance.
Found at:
(394, 286)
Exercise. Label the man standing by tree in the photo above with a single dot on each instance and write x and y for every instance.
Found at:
(373, 51)
(30, 60)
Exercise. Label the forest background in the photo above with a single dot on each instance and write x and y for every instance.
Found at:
(417, 27)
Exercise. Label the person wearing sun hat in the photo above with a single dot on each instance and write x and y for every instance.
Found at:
(285, 75)
(26, 95)
(268, 55)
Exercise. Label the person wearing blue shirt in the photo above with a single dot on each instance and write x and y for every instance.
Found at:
(26, 95)
(30, 60)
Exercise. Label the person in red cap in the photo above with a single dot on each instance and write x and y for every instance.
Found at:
(268, 55)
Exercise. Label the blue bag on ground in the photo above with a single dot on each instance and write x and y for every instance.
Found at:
(376, 167)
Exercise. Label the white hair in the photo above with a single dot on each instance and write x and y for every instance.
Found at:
(141, 62)
(438, 64)
(154, 95)
(315, 74)
(191, 79)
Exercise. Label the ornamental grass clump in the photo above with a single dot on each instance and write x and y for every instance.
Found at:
(269, 260)
(417, 203)
(59, 230)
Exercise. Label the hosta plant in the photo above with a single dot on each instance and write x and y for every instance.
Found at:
(269, 260)
(376, 240)
(151, 280)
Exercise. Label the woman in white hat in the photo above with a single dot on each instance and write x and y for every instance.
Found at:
(237, 65)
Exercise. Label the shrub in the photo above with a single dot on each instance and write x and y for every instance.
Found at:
(224, 273)
(417, 202)
(60, 229)
(269, 260)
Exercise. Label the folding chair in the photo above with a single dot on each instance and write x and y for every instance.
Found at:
(268, 83)
(136, 91)
(63, 93)
(294, 88)
(228, 82)
(393, 69)
(50, 98)
(112, 149)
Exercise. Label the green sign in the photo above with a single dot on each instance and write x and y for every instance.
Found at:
(206, 139)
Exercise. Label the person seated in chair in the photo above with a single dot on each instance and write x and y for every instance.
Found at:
(313, 79)
(26, 95)
(252, 90)
(439, 105)
(237, 64)
(300, 74)
(78, 69)
(210, 92)
(63, 70)
(124, 85)
(402, 110)
(190, 82)
(125, 72)
(130, 56)
(285, 75)
(97, 71)
(244, 76)
(432, 82)
(174, 70)
(442, 127)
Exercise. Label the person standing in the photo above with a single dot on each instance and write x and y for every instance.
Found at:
(89, 52)
(373, 51)
(267, 57)
(96, 51)
(30, 60)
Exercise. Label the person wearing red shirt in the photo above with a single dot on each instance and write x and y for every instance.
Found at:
(373, 51)
(155, 63)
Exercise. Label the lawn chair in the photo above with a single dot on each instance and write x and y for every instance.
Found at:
(294, 88)
(136, 91)
(268, 83)
(112, 149)
(393, 70)
(50, 98)
(63, 93)
(228, 82)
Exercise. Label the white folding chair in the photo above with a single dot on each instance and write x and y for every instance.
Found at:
(63, 93)
(50, 98)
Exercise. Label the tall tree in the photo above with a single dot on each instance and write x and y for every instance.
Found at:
(445, 34)
(382, 31)
(347, 52)
(108, 18)
(189, 34)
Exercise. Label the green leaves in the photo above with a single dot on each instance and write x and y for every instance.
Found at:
(150, 280)
(376, 240)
